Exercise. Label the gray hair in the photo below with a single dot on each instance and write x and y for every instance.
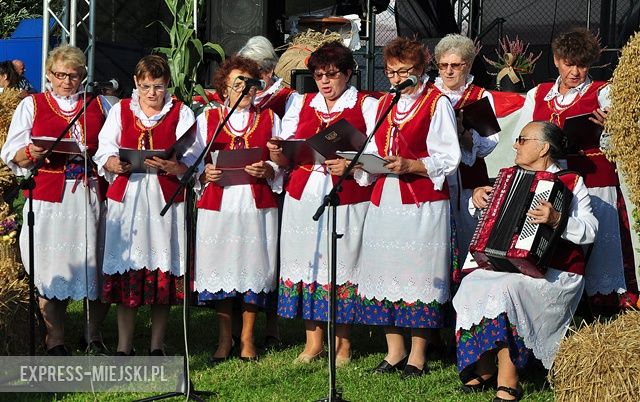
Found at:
(552, 135)
(260, 50)
(457, 44)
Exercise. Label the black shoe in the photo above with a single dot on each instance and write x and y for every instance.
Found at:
(213, 361)
(157, 352)
(271, 343)
(482, 385)
(385, 367)
(514, 392)
(413, 371)
(132, 353)
(59, 350)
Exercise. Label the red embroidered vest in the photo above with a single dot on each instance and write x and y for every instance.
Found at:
(411, 141)
(477, 174)
(594, 167)
(256, 136)
(568, 256)
(277, 101)
(49, 122)
(310, 123)
(160, 136)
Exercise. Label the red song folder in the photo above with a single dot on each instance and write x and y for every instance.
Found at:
(136, 158)
(65, 146)
(232, 164)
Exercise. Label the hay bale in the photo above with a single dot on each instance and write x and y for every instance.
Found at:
(301, 47)
(599, 362)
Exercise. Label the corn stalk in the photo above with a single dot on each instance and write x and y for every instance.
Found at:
(186, 51)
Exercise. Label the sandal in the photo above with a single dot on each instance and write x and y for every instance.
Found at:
(514, 392)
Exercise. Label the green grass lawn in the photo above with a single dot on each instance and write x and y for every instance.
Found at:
(274, 377)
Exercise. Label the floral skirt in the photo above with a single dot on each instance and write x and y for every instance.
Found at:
(310, 301)
(135, 288)
(487, 335)
(264, 300)
(400, 313)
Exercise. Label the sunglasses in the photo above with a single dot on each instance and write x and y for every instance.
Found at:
(454, 66)
(329, 74)
(521, 140)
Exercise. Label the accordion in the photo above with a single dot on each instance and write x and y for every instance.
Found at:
(504, 240)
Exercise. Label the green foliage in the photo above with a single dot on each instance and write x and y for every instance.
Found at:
(14, 11)
(186, 51)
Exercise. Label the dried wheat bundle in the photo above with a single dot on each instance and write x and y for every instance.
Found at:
(302, 45)
(623, 119)
(14, 308)
(599, 362)
(9, 99)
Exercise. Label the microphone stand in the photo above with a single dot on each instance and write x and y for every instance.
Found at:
(333, 200)
(186, 183)
(29, 184)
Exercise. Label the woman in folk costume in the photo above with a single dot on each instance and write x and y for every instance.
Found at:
(405, 264)
(513, 316)
(237, 232)
(304, 270)
(610, 280)
(454, 56)
(67, 241)
(276, 94)
(143, 259)
(275, 97)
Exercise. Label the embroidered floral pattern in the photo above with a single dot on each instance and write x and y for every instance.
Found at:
(400, 313)
(266, 300)
(135, 288)
(310, 301)
(487, 335)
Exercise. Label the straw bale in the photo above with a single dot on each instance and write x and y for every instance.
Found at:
(599, 362)
(624, 117)
(300, 48)
(9, 100)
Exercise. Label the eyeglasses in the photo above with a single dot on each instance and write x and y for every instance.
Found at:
(146, 87)
(454, 66)
(329, 74)
(521, 140)
(402, 73)
(63, 76)
(238, 86)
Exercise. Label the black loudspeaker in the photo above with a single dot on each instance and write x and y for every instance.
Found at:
(303, 82)
(230, 23)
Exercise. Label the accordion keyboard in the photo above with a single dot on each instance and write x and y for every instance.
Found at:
(529, 230)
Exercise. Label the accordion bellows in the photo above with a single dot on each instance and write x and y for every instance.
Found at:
(504, 240)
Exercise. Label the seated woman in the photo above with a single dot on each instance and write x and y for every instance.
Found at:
(610, 273)
(514, 316)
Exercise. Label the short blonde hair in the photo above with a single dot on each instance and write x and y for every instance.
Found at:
(457, 44)
(69, 56)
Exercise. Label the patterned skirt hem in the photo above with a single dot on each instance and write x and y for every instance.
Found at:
(400, 313)
(310, 301)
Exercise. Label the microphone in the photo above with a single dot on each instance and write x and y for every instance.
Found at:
(411, 81)
(252, 82)
(111, 84)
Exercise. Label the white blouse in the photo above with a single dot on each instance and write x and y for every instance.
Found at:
(482, 146)
(444, 150)
(111, 133)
